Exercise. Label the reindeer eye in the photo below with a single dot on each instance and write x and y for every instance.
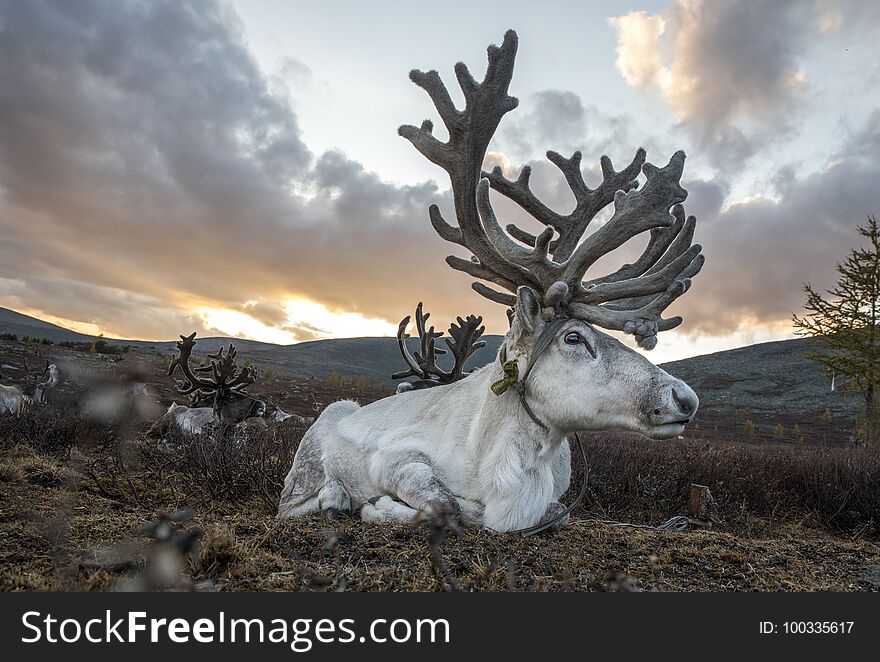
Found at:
(573, 338)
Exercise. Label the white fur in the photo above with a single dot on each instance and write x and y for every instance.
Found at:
(279, 416)
(12, 400)
(43, 388)
(501, 468)
(189, 420)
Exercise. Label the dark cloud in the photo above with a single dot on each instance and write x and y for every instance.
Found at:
(559, 120)
(705, 198)
(759, 251)
(269, 313)
(148, 168)
(306, 332)
(144, 153)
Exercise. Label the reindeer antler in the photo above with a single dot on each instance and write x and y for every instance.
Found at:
(423, 365)
(35, 377)
(223, 369)
(464, 340)
(633, 298)
(192, 382)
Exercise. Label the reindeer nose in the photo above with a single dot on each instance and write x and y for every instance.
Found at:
(686, 400)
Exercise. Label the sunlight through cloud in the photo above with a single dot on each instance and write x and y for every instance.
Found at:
(306, 320)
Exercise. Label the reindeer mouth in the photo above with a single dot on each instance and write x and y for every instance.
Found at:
(667, 430)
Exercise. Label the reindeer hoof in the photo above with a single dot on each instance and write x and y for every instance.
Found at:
(444, 515)
(554, 510)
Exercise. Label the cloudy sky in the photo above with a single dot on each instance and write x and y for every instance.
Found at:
(233, 167)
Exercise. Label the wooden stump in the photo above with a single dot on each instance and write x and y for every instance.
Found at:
(701, 505)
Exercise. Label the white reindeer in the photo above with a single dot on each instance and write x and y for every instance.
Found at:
(110, 401)
(491, 449)
(52, 381)
(12, 400)
(187, 420)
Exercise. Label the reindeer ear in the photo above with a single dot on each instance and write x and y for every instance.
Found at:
(527, 314)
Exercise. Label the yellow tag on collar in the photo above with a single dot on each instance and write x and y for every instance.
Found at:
(511, 374)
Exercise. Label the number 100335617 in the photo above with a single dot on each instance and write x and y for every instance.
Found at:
(817, 627)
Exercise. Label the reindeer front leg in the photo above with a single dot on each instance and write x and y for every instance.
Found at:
(410, 477)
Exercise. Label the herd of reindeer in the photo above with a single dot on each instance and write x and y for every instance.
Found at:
(490, 447)
(216, 390)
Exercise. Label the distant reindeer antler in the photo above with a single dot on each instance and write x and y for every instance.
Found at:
(633, 298)
(35, 377)
(223, 369)
(423, 364)
(464, 340)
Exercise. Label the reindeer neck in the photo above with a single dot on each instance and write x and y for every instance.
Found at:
(501, 420)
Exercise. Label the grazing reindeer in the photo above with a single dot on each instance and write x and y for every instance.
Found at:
(278, 417)
(491, 449)
(222, 385)
(464, 340)
(13, 400)
(110, 400)
(52, 381)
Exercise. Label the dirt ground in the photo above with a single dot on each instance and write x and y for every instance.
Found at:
(58, 533)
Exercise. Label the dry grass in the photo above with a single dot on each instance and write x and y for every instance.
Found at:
(835, 488)
(70, 521)
(50, 431)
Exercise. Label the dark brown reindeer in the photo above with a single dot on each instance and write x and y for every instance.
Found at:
(217, 387)
(222, 380)
(464, 340)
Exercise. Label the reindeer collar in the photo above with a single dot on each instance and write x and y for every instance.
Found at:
(511, 373)
(511, 367)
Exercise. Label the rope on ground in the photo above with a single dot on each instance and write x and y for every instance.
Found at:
(678, 523)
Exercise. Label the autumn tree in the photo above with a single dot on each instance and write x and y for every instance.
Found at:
(845, 322)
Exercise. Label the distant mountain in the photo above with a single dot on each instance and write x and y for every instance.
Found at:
(763, 379)
(373, 358)
(25, 325)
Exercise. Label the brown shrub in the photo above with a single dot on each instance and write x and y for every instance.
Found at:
(10, 473)
(44, 472)
(634, 477)
(222, 467)
(51, 431)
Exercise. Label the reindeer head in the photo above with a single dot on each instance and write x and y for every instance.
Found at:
(40, 382)
(585, 379)
(221, 381)
(463, 340)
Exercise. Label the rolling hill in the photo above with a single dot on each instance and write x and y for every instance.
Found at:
(763, 379)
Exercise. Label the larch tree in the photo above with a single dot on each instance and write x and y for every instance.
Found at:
(845, 322)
